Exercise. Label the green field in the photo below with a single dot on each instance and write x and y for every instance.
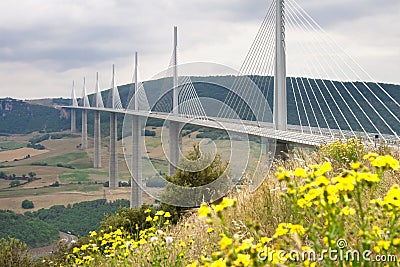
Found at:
(4, 146)
(21, 192)
(82, 176)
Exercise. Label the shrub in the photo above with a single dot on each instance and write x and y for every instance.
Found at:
(343, 153)
(27, 204)
(209, 171)
(14, 253)
(15, 183)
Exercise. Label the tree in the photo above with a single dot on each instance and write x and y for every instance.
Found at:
(15, 183)
(32, 174)
(27, 204)
(209, 171)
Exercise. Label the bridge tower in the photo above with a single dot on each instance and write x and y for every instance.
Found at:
(280, 99)
(74, 103)
(97, 134)
(136, 161)
(175, 138)
(115, 103)
(85, 103)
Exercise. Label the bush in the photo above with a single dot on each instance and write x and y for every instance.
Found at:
(39, 164)
(27, 204)
(210, 170)
(344, 152)
(15, 183)
(14, 253)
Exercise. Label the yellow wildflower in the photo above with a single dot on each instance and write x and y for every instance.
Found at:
(347, 211)
(242, 260)
(204, 210)
(393, 196)
(160, 213)
(225, 242)
(299, 172)
(356, 165)
(282, 175)
(147, 211)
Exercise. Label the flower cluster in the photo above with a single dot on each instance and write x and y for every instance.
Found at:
(151, 246)
(327, 208)
(326, 205)
(344, 152)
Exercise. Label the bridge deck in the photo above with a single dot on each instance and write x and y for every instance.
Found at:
(244, 127)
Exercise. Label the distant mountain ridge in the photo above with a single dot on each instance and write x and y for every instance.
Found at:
(18, 116)
(21, 117)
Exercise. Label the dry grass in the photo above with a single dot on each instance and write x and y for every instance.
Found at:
(20, 153)
(264, 206)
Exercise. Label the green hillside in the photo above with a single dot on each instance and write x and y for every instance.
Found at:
(23, 117)
(20, 117)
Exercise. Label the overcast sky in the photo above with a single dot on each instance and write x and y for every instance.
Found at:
(46, 44)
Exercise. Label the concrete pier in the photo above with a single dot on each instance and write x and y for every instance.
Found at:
(113, 177)
(136, 163)
(97, 140)
(73, 120)
(175, 144)
(84, 142)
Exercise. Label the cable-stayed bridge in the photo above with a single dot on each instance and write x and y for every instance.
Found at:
(328, 94)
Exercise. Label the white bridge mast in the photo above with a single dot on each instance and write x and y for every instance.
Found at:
(280, 99)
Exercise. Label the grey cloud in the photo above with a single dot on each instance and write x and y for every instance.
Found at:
(64, 37)
(330, 12)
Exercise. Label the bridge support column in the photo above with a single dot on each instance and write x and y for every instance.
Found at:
(97, 140)
(113, 179)
(136, 163)
(73, 120)
(280, 100)
(175, 143)
(84, 141)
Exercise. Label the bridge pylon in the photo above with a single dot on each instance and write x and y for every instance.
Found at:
(115, 103)
(97, 133)
(74, 103)
(85, 103)
(280, 98)
(175, 138)
(136, 161)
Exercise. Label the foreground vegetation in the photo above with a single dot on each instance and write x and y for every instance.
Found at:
(40, 228)
(342, 198)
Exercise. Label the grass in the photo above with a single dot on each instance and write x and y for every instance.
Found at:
(66, 158)
(264, 207)
(77, 160)
(11, 145)
(9, 193)
(79, 176)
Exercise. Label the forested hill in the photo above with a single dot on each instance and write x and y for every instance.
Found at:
(17, 116)
(43, 114)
